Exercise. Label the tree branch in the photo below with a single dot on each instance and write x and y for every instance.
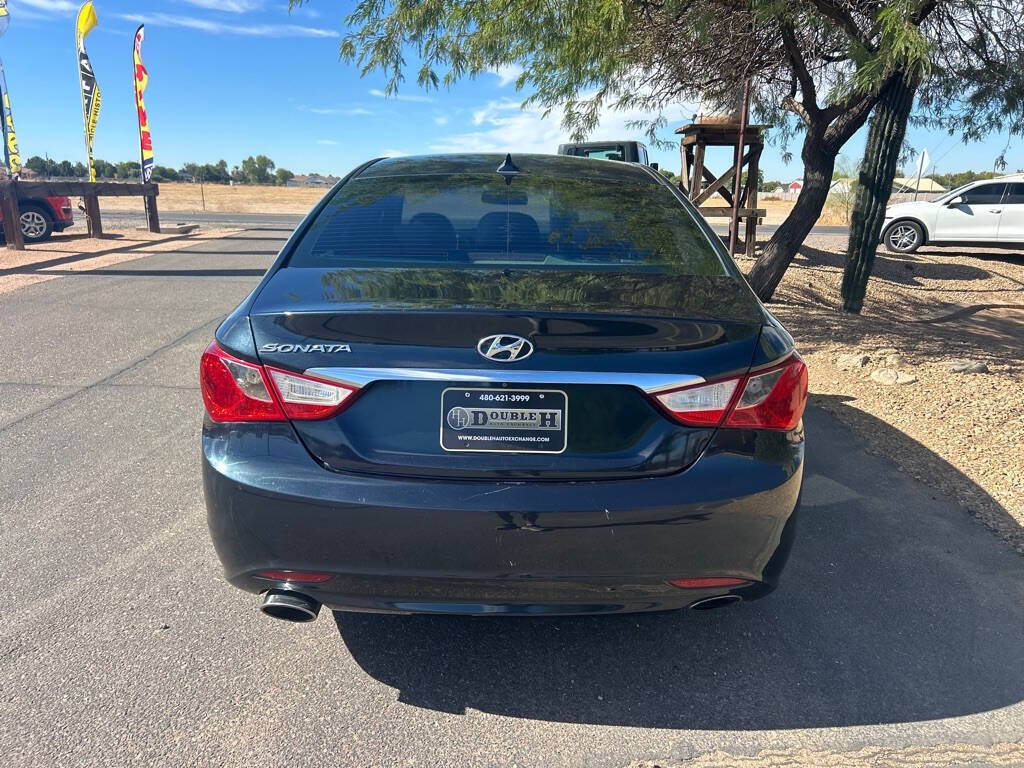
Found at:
(842, 17)
(809, 107)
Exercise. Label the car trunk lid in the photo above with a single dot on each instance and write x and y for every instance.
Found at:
(410, 340)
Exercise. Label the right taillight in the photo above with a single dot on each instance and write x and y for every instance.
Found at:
(767, 399)
(773, 399)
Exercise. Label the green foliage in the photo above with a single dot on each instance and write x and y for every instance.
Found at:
(216, 173)
(959, 178)
(163, 173)
(760, 179)
(129, 169)
(257, 170)
(283, 176)
(48, 168)
(674, 178)
(104, 170)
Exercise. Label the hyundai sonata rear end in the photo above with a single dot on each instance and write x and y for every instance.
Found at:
(480, 384)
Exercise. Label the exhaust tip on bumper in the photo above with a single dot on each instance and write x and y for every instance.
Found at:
(710, 603)
(289, 606)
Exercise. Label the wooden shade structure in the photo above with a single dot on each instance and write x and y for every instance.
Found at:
(701, 185)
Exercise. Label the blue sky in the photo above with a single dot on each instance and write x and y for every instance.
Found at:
(230, 78)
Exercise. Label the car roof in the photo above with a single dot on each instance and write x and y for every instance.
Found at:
(487, 163)
(1007, 177)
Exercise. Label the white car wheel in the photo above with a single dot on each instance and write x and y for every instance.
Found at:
(904, 237)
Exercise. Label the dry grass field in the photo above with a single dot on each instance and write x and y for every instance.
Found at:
(222, 198)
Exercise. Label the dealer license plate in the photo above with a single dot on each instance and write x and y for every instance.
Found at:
(503, 420)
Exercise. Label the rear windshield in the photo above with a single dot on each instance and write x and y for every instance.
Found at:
(536, 221)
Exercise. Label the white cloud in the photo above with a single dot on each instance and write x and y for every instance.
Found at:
(393, 152)
(230, 6)
(493, 108)
(440, 119)
(49, 6)
(505, 127)
(400, 96)
(507, 74)
(349, 111)
(223, 28)
(327, 142)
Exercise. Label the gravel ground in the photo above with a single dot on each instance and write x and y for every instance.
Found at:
(941, 756)
(965, 430)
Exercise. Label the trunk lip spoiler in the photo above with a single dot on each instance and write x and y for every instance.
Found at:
(651, 383)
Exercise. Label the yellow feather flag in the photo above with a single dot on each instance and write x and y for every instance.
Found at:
(90, 90)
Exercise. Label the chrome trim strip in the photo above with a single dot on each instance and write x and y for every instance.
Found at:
(648, 382)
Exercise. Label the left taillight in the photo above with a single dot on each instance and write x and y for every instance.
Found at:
(237, 390)
(766, 399)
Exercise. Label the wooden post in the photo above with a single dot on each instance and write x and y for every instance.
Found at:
(151, 214)
(741, 143)
(751, 201)
(698, 172)
(684, 173)
(12, 216)
(92, 214)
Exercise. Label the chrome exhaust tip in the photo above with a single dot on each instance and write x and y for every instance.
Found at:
(289, 606)
(710, 603)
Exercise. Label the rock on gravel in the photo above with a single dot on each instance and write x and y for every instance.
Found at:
(852, 361)
(966, 366)
(890, 376)
(893, 360)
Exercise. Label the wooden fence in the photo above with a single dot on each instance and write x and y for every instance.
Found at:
(90, 192)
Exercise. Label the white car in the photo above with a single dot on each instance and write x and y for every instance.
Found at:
(989, 212)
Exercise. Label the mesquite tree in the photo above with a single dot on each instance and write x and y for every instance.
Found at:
(818, 66)
(888, 126)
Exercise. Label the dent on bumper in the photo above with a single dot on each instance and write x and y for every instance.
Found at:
(399, 544)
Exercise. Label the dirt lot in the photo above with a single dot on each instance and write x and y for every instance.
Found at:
(959, 432)
(222, 198)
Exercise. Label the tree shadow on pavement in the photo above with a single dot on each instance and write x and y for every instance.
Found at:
(896, 606)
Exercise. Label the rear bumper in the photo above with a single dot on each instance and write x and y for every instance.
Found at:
(405, 545)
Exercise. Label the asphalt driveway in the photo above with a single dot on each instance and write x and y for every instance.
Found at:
(900, 621)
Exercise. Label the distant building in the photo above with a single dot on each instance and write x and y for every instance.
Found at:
(911, 185)
(312, 180)
(795, 185)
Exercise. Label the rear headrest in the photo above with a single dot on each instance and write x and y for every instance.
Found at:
(522, 232)
(428, 234)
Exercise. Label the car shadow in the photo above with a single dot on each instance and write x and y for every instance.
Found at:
(896, 606)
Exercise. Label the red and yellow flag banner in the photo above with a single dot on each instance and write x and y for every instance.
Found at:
(141, 81)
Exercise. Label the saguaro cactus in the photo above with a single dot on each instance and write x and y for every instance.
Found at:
(886, 130)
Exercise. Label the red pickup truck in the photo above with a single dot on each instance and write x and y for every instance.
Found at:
(41, 217)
